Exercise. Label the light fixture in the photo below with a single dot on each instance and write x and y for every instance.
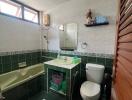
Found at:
(61, 27)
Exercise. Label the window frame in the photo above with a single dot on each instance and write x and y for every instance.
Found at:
(22, 12)
(37, 13)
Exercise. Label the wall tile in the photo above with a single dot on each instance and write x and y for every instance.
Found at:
(6, 67)
(53, 54)
(28, 59)
(21, 58)
(6, 59)
(14, 66)
(92, 59)
(84, 59)
(0, 68)
(6, 63)
(35, 57)
(108, 70)
(28, 56)
(109, 62)
(34, 61)
(9, 60)
(100, 61)
(14, 58)
(0, 60)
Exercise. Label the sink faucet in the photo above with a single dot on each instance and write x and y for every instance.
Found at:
(65, 58)
(58, 56)
(1, 97)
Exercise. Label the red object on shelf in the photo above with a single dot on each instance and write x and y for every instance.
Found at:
(57, 79)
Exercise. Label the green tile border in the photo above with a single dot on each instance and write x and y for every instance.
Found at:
(36, 56)
(87, 58)
(111, 56)
(18, 52)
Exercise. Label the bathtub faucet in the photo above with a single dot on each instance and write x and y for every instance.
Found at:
(1, 96)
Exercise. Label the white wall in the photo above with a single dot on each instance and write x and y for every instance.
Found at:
(18, 35)
(100, 39)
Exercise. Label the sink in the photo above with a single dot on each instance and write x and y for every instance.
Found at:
(63, 62)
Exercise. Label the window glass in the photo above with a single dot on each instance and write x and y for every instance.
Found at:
(10, 8)
(16, 9)
(30, 15)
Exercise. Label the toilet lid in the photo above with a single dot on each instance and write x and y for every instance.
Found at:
(90, 89)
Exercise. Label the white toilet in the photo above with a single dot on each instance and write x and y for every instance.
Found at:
(90, 89)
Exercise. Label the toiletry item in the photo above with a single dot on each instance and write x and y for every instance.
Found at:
(89, 16)
(75, 60)
(101, 19)
(57, 79)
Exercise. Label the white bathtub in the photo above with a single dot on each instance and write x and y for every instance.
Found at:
(14, 78)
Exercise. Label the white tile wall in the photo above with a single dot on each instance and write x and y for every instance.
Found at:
(100, 39)
(18, 35)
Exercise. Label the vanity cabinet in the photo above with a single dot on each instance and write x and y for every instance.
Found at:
(69, 75)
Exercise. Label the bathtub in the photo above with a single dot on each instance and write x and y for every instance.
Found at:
(14, 78)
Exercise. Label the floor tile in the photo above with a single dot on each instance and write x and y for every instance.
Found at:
(50, 96)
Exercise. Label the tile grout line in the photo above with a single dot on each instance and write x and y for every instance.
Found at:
(11, 61)
(2, 64)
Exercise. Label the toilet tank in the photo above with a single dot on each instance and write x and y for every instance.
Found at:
(94, 72)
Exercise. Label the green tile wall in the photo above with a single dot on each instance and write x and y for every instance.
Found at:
(9, 61)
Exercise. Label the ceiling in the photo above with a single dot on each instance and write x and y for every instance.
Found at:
(43, 5)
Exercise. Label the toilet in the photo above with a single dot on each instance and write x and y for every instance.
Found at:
(90, 89)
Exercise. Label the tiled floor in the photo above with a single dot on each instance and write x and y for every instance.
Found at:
(50, 96)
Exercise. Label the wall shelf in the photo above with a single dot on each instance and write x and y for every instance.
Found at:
(96, 24)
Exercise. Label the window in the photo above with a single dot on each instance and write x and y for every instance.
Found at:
(11, 8)
(19, 10)
(30, 15)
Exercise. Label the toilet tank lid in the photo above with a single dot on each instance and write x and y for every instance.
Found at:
(94, 66)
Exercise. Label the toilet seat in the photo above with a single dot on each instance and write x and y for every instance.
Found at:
(90, 89)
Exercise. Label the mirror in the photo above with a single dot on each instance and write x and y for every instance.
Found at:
(68, 36)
